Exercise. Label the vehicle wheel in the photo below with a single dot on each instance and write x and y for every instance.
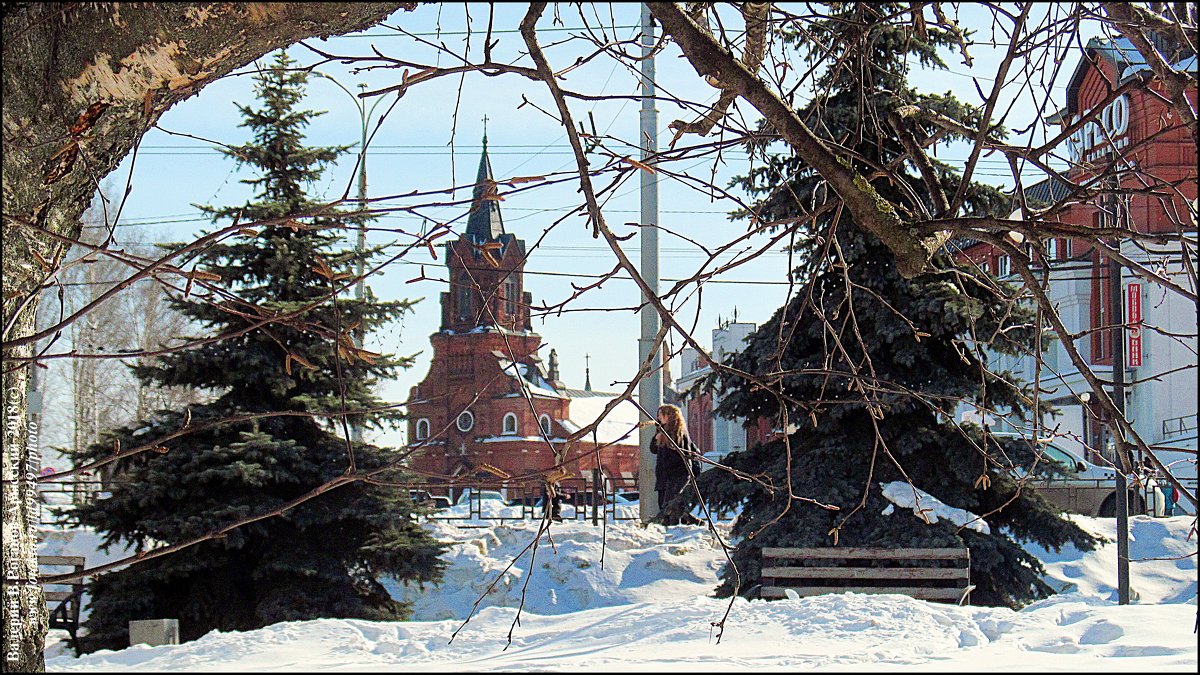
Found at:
(1108, 509)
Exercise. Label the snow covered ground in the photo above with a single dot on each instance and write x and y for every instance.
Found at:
(636, 599)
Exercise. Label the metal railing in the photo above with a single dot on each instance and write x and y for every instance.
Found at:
(57, 499)
(582, 499)
(474, 503)
(1174, 426)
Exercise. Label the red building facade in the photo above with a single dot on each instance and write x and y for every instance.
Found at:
(1133, 141)
(488, 400)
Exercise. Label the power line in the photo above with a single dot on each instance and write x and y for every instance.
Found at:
(495, 31)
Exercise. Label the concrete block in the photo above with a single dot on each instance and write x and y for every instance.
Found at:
(154, 632)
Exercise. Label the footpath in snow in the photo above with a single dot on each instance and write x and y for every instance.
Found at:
(637, 599)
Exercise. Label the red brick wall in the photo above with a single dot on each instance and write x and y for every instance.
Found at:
(1162, 150)
(699, 421)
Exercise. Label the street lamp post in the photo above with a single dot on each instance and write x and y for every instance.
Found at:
(360, 248)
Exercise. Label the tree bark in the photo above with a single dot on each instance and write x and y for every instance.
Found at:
(82, 82)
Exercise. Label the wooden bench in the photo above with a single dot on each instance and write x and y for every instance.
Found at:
(69, 596)
(942, 574)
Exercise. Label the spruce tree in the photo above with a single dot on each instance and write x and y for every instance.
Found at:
(919, 347)
(323, 558)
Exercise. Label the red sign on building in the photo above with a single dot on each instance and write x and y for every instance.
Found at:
(1133, 313)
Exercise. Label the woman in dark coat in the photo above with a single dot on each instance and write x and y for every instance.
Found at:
(673, 450)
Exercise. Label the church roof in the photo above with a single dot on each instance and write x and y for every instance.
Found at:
(484, 222)
(530, 378)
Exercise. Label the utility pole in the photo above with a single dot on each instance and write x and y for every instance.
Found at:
(360, 333)
(1117, 321)
(650, 388)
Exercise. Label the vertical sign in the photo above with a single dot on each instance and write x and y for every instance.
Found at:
(1133, 312)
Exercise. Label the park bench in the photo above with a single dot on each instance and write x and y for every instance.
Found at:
(942, 574)
(64, 600)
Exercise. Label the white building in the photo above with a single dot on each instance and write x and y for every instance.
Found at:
(715, 436)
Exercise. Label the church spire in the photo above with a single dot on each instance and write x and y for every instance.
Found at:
(484, 223)
(587, 370)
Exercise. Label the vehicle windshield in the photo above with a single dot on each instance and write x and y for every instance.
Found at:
(1060, 456)
(1054, 461)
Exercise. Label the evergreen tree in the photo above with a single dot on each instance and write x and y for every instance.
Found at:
(918, 344)
(324, 557)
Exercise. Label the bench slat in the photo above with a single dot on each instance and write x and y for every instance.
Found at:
(61, 560)
(868, 553)
(853, 573)
(775, 592)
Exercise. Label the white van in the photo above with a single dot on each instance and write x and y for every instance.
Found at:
(1087, 488)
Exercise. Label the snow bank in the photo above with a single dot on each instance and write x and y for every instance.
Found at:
(846, 632)
(646, 609)
(578, 567)
(1162, 561)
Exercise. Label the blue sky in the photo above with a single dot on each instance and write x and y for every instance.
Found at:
(410, 151)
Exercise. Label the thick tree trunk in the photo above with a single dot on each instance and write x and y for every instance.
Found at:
(713, 61)
(82, 84)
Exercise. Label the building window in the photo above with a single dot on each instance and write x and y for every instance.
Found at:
(1102, 344)
(544, 421)
(464, 300)
(510, 297)
(510, 424)
(422, 429)
(1052, 250)
(1003, 266)
(465, 421)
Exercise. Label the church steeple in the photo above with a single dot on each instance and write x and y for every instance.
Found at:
(486, 267)
(484, 222)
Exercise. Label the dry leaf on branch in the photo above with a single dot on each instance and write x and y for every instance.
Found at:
(644, 167)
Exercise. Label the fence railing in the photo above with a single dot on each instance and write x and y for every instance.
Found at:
(57, 498)
(1175, 426)
(589, 498)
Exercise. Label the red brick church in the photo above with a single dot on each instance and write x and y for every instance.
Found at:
(489, 400)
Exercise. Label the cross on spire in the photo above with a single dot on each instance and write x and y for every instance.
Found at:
(485, 119)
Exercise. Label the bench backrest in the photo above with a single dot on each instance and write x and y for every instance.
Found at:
(56, 593)
(942, 574)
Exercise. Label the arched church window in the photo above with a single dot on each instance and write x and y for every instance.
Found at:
(422, 429)
(544, 420)
(510, 424)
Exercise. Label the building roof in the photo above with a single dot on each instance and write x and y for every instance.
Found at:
(531, 379)
(1126, 60)
(484, 222)
(585, 393)
(1043, 193)
(619, 427)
